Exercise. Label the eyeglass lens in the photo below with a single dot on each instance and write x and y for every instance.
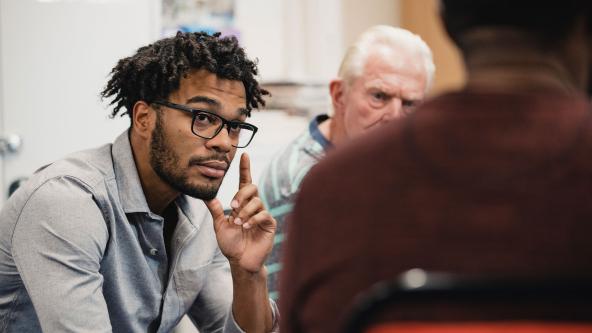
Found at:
(209, 125)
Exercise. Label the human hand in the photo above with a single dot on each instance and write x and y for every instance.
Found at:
(245, 237)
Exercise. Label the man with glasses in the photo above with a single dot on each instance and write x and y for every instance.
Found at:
(129, 237)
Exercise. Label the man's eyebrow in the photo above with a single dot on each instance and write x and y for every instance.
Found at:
(214, 103)
(203, 99)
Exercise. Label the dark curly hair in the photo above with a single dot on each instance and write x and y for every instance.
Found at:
(155, 71)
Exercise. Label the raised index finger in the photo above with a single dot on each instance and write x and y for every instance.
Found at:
(244, 171)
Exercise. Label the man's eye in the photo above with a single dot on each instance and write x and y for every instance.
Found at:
(204, 118)
(380, 96)
(409, 103)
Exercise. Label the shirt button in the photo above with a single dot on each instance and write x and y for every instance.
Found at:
(153, 252)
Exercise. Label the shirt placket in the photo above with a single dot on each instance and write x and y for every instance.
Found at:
(152, 241)
(183, 233)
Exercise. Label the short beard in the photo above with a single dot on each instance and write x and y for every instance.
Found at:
(165, 163)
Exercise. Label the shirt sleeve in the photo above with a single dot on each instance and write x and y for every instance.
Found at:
(212, 310)
(57, 245)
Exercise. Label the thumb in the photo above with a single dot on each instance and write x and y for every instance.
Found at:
(216, 209)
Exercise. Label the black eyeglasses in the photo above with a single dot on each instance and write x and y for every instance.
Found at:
(207, 125)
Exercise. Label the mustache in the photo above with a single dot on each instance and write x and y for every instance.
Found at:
(216, 157)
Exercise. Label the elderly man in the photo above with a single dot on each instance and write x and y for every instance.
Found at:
(383, 76)
(130, 237)
(491, 180)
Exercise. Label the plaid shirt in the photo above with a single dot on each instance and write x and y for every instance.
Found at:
(279, 184)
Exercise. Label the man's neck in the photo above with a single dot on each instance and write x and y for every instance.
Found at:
(158, 194)
(514, 75)
(333, 130)
(509, 61)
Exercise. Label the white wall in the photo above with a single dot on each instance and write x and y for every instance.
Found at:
(358, 15)
(304, 40)
(296, 40)
(55, 57)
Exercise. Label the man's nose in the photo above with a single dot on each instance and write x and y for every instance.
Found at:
(393, 110)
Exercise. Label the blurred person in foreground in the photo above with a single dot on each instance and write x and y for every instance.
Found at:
(130, 237)
(383, 76)
(495, 179)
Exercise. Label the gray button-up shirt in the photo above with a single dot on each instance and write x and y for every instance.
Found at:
(80, 251)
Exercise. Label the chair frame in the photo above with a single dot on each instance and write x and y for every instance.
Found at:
(455, 288)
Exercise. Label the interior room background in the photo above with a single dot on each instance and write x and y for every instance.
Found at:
(55, 57)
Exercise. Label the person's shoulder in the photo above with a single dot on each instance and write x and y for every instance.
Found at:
(293, 147)
(365, 150)
(62, 203)
(66, 179)
(88, 168)
(282, 175)
(366, 158)
(277, 165)
(90, 165)
(54, 193)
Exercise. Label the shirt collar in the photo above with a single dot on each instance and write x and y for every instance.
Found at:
(194, 210)
(131, 195)
(315, 131)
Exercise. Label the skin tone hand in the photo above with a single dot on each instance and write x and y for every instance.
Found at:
(246, 236)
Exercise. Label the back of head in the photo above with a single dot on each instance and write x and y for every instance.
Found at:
(155, 71)
(546, 21)
(355, 58)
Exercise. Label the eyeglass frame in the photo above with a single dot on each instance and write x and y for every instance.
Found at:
(225, 123)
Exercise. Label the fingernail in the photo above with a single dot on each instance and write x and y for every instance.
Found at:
(247, 225)
(238, 221)
(234, 204)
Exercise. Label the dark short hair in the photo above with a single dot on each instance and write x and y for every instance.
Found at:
(155, 71)
(549, 21)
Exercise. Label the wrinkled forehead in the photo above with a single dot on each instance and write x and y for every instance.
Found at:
(400, 59)
(393, 60)
(391, 71)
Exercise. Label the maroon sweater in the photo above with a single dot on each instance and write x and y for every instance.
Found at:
(471, 183)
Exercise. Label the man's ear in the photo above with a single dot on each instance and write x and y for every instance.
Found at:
(143, 119)
(336, 90)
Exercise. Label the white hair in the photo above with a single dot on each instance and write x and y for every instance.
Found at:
(357, 54)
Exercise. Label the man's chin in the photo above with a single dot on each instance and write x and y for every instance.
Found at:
(204, 190)
(205, 194)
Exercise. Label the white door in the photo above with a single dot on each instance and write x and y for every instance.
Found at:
(55, 56)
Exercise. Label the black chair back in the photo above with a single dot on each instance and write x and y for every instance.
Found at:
(540, 298)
